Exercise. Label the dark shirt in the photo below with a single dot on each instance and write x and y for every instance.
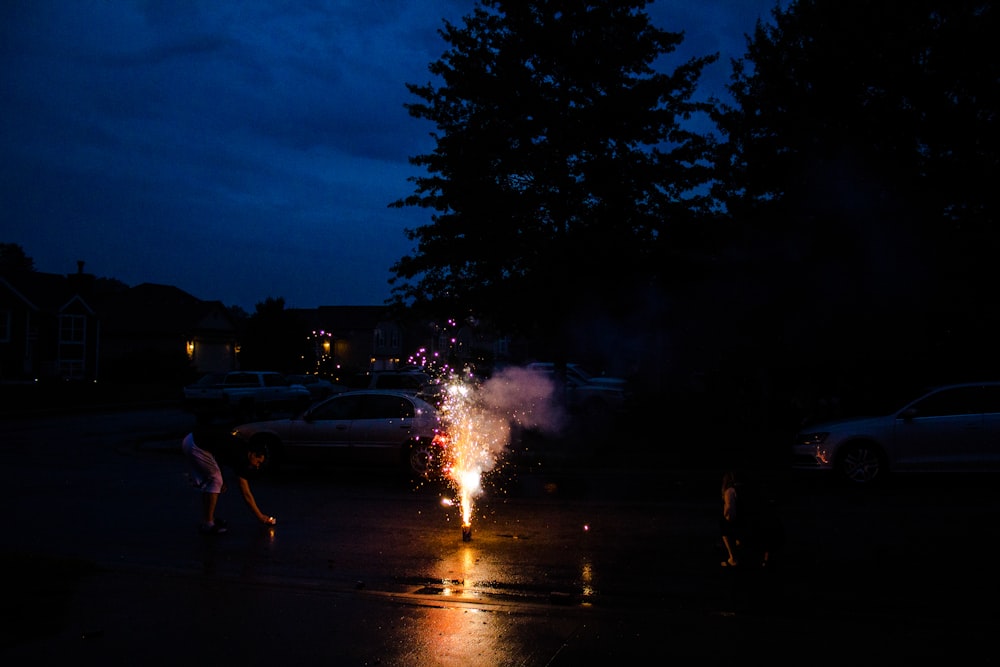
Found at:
(228, 450)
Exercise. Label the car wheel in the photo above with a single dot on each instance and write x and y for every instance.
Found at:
(419, 458)
(862, 464)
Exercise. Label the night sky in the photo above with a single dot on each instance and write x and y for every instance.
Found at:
(240, 149)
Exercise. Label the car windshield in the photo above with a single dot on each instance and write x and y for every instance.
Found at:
(210, 379)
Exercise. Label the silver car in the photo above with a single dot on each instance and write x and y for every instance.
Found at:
(954, 428)
(376, 427)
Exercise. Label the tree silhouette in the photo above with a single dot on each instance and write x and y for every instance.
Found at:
(13, 258)
(274, 339)
(560, 169)
(861, 145)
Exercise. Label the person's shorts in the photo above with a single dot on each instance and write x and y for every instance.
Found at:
(202, 467)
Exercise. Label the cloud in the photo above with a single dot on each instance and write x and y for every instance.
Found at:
(236, 150)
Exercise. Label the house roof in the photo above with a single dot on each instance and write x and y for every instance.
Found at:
(164, 309)
(44, 292)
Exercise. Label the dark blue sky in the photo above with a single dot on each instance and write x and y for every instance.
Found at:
(239, 149)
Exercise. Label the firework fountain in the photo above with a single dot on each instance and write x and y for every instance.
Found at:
(479, 418)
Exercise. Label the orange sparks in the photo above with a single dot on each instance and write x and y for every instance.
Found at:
(477, 439)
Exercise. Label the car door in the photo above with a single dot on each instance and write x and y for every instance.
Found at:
(328, 428)
(941, 431)
(384, 423)
(273, 388)
(990, 442)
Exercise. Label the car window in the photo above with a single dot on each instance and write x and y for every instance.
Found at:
(375, 406)
(274, 381)
(239, 379)
(957, 401)
(341, 407)
(991, 399)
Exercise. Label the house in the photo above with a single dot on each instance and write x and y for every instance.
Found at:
(162, 330)
(48, 327)
(78, 327)
(353, 338)
(373, 338)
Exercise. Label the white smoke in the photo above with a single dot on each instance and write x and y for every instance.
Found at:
(481, 418)
(524, 397)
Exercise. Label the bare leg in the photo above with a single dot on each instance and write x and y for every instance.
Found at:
(729, 549)
(208, 503)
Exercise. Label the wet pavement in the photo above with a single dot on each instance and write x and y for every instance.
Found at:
(569, 566)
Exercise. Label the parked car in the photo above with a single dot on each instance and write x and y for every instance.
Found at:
(408, 381)
(318, 387)
(953, 428)
(358, 427)
(578, 372)
(588, 393)
(241, 394)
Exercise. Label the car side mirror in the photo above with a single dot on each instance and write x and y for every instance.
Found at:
(909, 414)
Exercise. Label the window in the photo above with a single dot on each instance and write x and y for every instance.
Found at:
(72, 329)
(958, 401)
(72, 346)
(240, 380)
(342, 407)
(4, 326)
(274, 380)
(385, 407)
(991, 399)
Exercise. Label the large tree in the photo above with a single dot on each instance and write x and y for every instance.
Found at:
(274, 339)
(561, 163)
(13, 258)
(862, 140)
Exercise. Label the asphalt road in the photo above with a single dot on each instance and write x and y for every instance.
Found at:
(570, 562)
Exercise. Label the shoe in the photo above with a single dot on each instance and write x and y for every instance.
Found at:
(729, 563)
(214, 529)
(221, 522)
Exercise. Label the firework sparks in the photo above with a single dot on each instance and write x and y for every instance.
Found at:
(477, 439)
(479, 419)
